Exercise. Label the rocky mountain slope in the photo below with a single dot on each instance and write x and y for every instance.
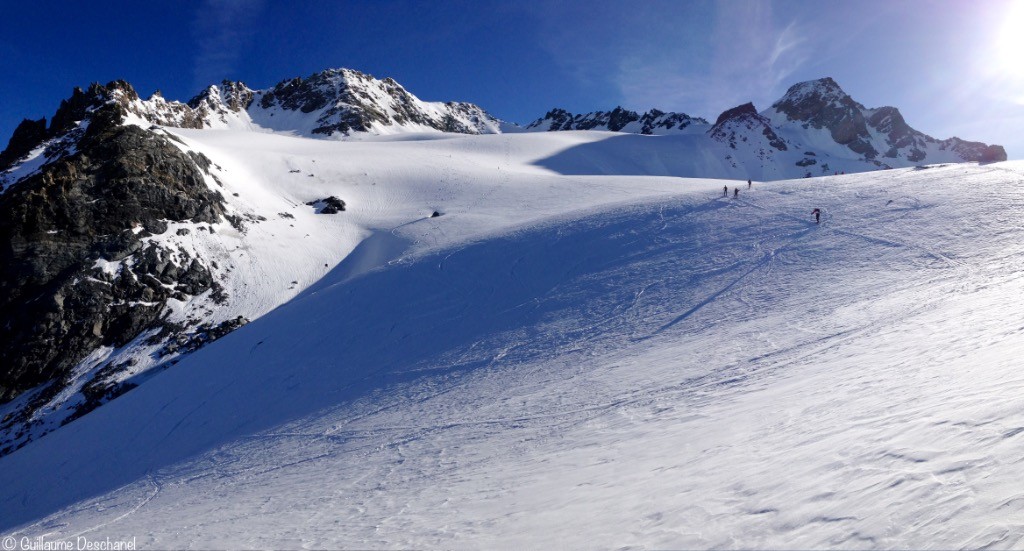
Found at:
(812, 110)
(79, 269)
(130, 236)
(111, 229)
(331, 103)
(823, 128)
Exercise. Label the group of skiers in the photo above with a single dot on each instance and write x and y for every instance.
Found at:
(736, 193)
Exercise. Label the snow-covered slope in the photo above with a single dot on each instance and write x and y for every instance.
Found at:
(122, 257)
(286, 244)
(661, 368)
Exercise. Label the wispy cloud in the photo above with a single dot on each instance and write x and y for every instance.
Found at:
(749, 59)
(224, 30)
(697, 57)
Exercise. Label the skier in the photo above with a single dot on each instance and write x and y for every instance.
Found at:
(735, 193)
(725, 191)
(749, 183)
(817, 215)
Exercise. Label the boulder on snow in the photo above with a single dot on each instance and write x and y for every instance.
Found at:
(330, 205)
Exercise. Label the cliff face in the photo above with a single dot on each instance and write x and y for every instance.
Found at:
(77, 271)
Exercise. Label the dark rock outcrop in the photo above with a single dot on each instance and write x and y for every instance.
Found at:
(823, 104)
(27, 136)
(330, 205)
(734, 126)
(615, 120)
(975, 151)
(231, 95)
(75, 270)
(184, 341)
(347, 101)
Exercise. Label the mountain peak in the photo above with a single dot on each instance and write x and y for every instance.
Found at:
(736, 112)
(342, 101)
(742, 126)
(823, 104)
(805, 101)
(824, 89)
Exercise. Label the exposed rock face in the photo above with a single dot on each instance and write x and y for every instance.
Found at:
(27, 136)
(822, 104)
(330, 205)
(335, 102)
(655, 120)
(616, 120)
(76, 269)
(202, 335)
(737, 126)
(873, 138)
(975, 151)
(228, 97)
(345, 101)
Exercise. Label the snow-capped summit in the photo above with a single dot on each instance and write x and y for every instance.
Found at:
(332, 103)
(743, 126)
(342, 101)
(822, 104)
(817, 120)
(822, 112)
(223, 105)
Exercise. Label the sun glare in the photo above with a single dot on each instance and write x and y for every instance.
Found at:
(1009, 46)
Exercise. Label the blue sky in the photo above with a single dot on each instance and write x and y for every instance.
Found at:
(951, 67)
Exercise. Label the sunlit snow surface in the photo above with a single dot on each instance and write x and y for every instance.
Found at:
(585, 362)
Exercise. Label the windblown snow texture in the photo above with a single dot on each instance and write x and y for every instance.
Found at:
(680, 370)
(591, 347)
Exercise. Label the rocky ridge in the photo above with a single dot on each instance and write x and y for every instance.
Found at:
(618, 120)
(342, 101)
(879, 135)
(744, 124)
(873, 138)
(79, 271)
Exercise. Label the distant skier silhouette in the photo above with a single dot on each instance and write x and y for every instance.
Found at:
(735, 193)
(725, 191)
(817, 215)
(749, 183)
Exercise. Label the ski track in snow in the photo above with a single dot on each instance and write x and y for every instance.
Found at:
(683, 372)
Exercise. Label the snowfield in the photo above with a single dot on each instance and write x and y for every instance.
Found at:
(566, 359)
